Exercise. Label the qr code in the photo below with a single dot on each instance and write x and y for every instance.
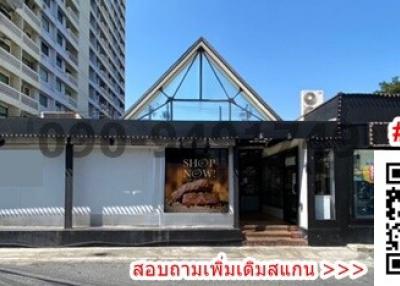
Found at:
(393, 218)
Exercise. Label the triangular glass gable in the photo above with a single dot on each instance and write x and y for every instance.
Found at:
(201, 91)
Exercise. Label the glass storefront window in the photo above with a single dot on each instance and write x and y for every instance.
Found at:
(363, 178)
(324, 185)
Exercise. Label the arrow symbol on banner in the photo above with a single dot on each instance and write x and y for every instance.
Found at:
(344, 271)
(340, 269)
(360, 270)
(328, 270)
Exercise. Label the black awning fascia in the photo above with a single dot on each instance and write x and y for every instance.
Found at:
(131, 129)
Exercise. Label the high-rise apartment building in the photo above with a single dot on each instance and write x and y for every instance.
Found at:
(62, 55)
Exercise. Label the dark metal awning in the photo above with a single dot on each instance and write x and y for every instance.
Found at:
(130, 129)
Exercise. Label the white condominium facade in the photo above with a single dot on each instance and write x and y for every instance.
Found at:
(62, 55)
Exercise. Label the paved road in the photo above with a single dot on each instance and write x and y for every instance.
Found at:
(110, 274)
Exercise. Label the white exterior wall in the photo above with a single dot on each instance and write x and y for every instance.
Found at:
(117, 191)
(31, 188)
(129, 191)
(303, 185)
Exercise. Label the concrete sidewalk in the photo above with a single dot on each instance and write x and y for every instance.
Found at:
(362, 253)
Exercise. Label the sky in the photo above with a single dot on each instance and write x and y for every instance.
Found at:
(278, 46)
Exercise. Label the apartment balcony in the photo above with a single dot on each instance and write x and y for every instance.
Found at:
(69, 101)
(30, 73)
(6, 25)
(52, 15)
(17, 67)
(72, 101)
(31, 44)
(66, 55)
(66, 100)
(104, 90)
(50, 89)
(7, 58)
(32, 17)
(104, 74)
(29, 101)
(94, 98)
(72, 80)
(103, 25)
(73, 36)
(73, 57)
(75, 3)
(18, 99)
(73, 15)
(105, 60)
(17, 35)
(104, 43)
(105, 108)
(45, 8)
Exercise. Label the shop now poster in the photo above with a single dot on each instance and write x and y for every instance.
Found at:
(196, 180)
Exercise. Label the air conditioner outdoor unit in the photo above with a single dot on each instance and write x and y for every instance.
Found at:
(310, 99)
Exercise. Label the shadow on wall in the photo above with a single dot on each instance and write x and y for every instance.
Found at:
(25, 216)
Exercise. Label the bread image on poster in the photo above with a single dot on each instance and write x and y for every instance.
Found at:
(196, 180)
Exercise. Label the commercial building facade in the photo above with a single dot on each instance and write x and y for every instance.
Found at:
(190, 163)
(62, 56)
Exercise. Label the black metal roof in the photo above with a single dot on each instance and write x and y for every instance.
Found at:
(358, 108)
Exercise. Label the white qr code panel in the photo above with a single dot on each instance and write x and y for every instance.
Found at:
(387, 217)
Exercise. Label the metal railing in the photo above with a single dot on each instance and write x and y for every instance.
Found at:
(31, 44)
(32, 15)
(7, 57)
(73, 14)
(73, 36)
(72, 79)
(29, 72)
(73, 57)
(29, 101)
(9, 25)
(16, 95)
(9, 91)
(72, 101)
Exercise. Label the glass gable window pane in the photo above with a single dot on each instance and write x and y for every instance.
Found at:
(156, 109)
(212, 88)
(239, 114)
(245, 110)
(230, 88)
(363, 178)
(171, 87)
(189, 88)
(200, 111)
(324, 185)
